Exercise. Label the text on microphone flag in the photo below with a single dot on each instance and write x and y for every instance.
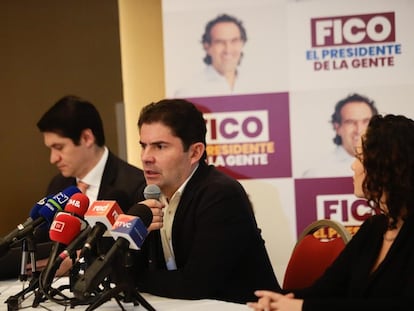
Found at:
(131, 228)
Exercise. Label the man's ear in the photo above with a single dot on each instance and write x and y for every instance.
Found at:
(206, 46)
(196, 151)
(87, 137)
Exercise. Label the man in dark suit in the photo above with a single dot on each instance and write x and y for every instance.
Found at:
(209, 245)
(73, 131)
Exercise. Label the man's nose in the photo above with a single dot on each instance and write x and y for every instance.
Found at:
(54, 157)
(146, 156)
(360, 127)
(227, 45)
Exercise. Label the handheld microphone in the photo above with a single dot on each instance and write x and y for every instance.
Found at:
(45, 214)
(130, 232)
(152, 192)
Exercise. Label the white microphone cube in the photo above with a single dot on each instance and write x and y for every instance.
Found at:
(105, 212)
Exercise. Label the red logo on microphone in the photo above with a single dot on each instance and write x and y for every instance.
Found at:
(57, 226)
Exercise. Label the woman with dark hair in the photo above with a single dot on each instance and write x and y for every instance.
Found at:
(375, 271)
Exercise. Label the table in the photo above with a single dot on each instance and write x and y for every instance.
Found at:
(12, 287)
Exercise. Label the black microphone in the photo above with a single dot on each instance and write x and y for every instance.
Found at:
(130, 231)
(152, 191)
(44, 214)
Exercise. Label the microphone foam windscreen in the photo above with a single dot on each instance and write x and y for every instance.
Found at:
(152, 192)
(60, 199)
(78, 204)
(48, 212)
(64, 228)
(34, 212)
(56, 203)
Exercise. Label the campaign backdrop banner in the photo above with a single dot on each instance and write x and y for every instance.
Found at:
(274, 127)
(248, 136)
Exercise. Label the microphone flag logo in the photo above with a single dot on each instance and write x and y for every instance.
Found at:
(130, 228)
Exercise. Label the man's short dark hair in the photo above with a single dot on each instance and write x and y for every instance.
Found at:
(337, 117)
(69, 116)
(223, 18)
(181, 116)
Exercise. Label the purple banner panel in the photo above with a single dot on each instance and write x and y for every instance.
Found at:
(248, 136)
(329, 198)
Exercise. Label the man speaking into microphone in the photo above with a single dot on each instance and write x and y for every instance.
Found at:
(208, 244)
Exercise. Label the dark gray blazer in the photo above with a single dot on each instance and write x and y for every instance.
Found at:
(218, 248)
(119, 179)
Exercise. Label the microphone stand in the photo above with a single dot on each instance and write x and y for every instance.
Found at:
(28, 250)
(129, 292)
(23, 262)
(129, 296)
(49, 292)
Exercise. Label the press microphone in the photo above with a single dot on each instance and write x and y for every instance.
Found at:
(43, 211)
(77, 205)
(130, 232)
(56, 204)
(64, 228)
(34, 212)
(152, 191)
(132, 228)
(101, 215)
(68, 228)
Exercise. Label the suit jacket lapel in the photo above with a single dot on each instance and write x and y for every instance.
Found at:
(108, 176)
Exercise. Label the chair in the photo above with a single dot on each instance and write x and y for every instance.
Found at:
(312, 255)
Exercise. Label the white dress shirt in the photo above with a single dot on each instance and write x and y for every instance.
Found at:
(94, 177)
(166, 230)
